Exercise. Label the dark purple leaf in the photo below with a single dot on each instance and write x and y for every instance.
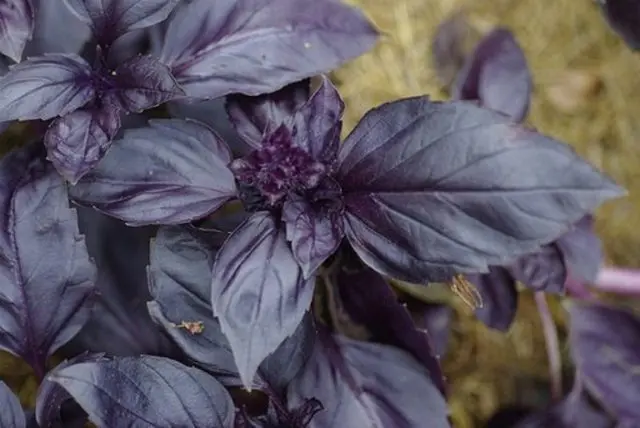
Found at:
(16, 27)
(368, 384)
(314, 234)
(110, 19)
(438, 188)
(120, 323)
(582, 250)
(12, 415)
(370, 301)
(78, 141)
(497, 75)
(604, 344)
(499, 296)
(170, 172)
(142, 83)
(258, 46)
(258, 292)
(52, 397)
(45, 87)
(624, 18)
(436, 320)
(448, 47)
(147, 391)
(49, 36)
(180, 283)
(48, 276)
(543, 270)
(253, 117)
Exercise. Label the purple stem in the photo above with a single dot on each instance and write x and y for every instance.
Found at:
(618, 280)
(552, 344)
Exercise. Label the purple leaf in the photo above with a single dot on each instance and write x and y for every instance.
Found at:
(258, 292)
(48, 276)
(110, 19)
(180, 284)
(45, 87)
(120, 323)
(258, 46)
(624, 18)
(367, 384)
(314, 234)
(147, 391)
(499, 297)
(12, 415)
(573, 411)
(51, 37)
(448, 47)
(142, 83)
(582, 250)
(253, 117)
(78, 141)
(436, 320)
(497, 75)
(438, 188)
(16, 27)
(52, 397)
(543, 270)
(171, 172)
(322, 118)
(370, 301)
(604, 343)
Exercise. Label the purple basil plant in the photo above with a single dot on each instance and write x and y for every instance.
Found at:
(191, 232)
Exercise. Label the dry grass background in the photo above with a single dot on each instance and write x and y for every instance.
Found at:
(587, 93)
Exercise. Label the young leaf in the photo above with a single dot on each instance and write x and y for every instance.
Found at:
(77, 142)
(147, 391)
(370, 301)
(258, 292)
(258, 46)
(624, 18)
(499, 297)
(582, 250)
(45, 87)
(142, 83)
(367, 384)
(110, 19)
(12, 415)
(253, 117)
(16, 27)
(419, 211)
(449, 47)
(170, 172)
(604, 343)
(180, 283)
(48, 276)
(543, 270)
(497, 75)
(436, 320)
(314, 235)
(120, 324)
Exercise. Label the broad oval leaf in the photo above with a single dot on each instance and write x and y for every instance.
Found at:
(368, 384)
(110, 19)
(180, 283)
(497, 290)
(45, 87)
(254, 117)
(604, 344)
(12, 415)
(141, 83)
(147, 391)
(497, 75)
(449, 47)
(16, 27)
(51, 37)
(624, 18)
(77, 142)
(47, 276)
(258, 292)
(170, 172)
(119, 324)
(437, 188)
(258, 46)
